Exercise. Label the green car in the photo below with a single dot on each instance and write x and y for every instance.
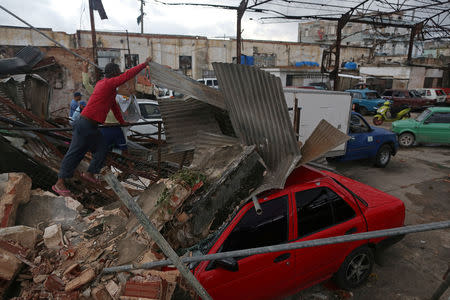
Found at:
(431, 126)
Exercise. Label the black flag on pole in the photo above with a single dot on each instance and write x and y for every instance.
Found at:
(98, 6)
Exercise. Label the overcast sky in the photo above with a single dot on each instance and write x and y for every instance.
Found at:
(70, 15)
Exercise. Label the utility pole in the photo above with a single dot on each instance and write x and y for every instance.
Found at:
(240, 13)
(142, 16)
(94, 38)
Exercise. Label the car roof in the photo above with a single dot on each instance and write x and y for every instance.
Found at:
(361, 90)
(147, 101)
(439, 109)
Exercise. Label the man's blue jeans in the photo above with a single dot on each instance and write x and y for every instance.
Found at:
(85, 137)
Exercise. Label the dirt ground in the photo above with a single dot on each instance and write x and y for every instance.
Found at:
(414, 267)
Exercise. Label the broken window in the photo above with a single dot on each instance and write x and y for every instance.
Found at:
(185, 63)
(131, 60)
(315, 210)
(269, 228)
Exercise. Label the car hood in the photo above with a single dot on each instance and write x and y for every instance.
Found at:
(404, 123)
(380, 131)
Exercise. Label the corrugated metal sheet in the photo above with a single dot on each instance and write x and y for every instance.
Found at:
(165, 77)
(324, 138)
(259, 114)
(184, 119)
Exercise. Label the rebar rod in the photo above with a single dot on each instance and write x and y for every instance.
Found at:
(125, 197)
(45, 129)
(291, 246)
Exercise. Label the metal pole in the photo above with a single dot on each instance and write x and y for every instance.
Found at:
(443, 286)
(54, 41)
(129, 52)
(291, 246)
(94, 38)
(155, 235)
(159, 147)
(240, 14)
(296, 118)
(142, 16)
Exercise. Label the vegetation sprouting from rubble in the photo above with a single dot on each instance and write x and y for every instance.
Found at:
(185, 177)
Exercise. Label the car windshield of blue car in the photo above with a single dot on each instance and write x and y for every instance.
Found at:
(423, 115)
(373, 96)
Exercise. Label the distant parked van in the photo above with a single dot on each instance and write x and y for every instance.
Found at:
(211, 82)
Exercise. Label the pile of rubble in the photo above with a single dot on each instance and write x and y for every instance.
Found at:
(51, 248)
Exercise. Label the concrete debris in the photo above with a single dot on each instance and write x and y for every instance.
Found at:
(14, 190)
(44, 209)
(53, 237)
(25, 236)
(84, 277)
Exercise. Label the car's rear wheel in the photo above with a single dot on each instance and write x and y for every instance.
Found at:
(362, 110)
(377, 120)
(406, 139)
(383, 156)
(355, 269)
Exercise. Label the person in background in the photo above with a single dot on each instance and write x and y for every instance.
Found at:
(77, 113)
(74, 103)
(86, 136)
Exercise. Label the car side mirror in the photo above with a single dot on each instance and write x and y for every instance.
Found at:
(229, 264)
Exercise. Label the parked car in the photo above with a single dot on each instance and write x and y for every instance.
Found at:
(150, 112)
(403, 98)
(313, 204)
(366, 101)
(367, 142)
(431, 126)
(211, 82)
(434, 94)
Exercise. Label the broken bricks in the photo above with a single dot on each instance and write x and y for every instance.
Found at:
(14, 190)
(53, 237)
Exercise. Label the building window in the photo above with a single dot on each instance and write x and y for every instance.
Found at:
(185, 63)
(131, 60)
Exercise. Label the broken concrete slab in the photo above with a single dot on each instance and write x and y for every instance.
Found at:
(45, 208)
(25, 236)
(211, 208)
(53, 237)
(14, 190)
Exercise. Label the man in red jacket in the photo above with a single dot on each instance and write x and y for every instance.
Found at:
(86, 136)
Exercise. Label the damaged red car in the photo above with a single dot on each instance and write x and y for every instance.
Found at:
(314, 204)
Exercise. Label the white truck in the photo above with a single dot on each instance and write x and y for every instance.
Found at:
(315, 105)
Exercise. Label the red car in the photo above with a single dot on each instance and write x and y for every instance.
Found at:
(403, 98)
(314, 204)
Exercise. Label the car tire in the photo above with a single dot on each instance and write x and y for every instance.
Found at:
(377, 120)
(383, 156)
(363, 111)
(355, 269)
(406, 139)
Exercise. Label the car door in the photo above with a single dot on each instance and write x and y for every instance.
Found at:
(435, 128)
(262, 276)
(361, 142)
(323, 210)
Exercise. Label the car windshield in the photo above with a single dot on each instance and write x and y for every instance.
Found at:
(423, 115)
(439, 93)
(373, 95)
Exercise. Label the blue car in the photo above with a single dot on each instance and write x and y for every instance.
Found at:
(366, 101)
(367, 142)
